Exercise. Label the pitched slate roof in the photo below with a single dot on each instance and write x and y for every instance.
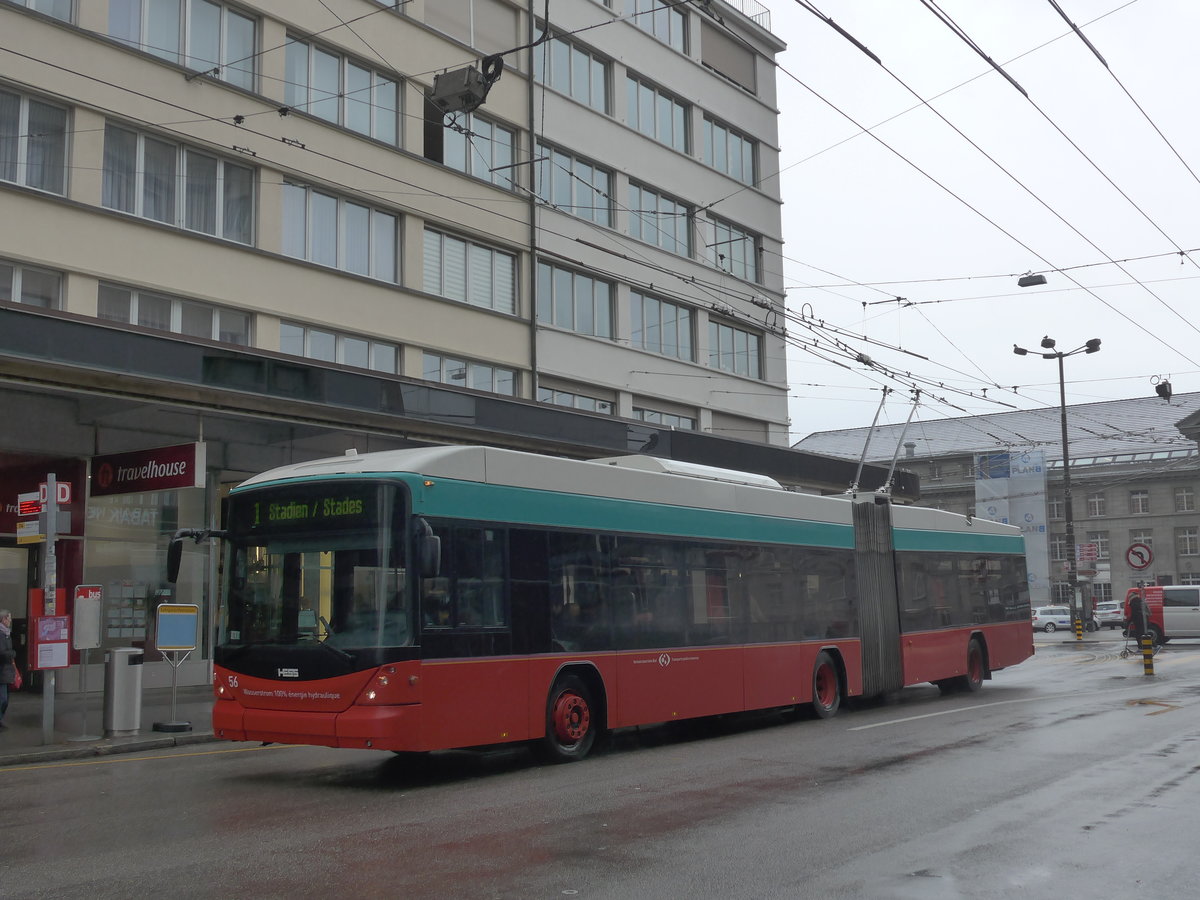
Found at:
(1093, 429)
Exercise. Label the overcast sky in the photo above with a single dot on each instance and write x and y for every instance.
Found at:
(914, 210)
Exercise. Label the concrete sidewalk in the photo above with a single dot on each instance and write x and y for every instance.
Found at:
(23, 741)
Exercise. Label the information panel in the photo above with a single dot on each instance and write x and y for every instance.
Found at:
(177, 626)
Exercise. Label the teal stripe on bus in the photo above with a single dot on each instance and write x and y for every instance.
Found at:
(499, 503)
(958, 542)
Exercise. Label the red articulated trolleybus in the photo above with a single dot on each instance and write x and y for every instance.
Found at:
(442, 597)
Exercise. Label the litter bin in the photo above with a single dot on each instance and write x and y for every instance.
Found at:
(123, 691)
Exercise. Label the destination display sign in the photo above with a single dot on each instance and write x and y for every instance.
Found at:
(308, 507)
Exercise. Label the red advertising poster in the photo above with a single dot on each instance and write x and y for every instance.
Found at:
(160, 469)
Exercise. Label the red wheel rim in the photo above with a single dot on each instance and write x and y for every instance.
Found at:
(572, 718)
(825, 685)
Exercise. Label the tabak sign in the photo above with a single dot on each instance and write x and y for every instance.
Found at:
(160, 469)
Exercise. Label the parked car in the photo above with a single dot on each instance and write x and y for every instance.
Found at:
(1110, 614)
(1052, 618)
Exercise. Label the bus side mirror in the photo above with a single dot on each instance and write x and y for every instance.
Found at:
(431, 555)
(174, 555)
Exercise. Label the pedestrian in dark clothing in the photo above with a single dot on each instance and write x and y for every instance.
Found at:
(1136, 626)
(8, 666)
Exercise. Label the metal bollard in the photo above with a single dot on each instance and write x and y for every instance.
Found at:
(1147, 643)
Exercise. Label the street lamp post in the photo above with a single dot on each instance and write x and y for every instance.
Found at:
(1092, 346)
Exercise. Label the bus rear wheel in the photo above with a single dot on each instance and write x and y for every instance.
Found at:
(976, 669)
(826, 687)
(570, 721)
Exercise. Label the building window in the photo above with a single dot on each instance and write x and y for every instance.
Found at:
(177, 185)
(1100, 539)
(1102, 592)
(575, 401)
(30, 285)
(470, 272)
(666, 420)
(1139, 502)
(1187, 541)
(1185, 499)
(573, 301)
(572, 70)
(1096, 504)
(475, 375)
(734, 250)
(332, 231)
(1055, 507)
(199, 34)
(1189, 578)
(728, 55)
(331, 87)
(487, 25)
(658, 219)
(330, 346)
(730, 152)
(734, 350)
(174, 314)
(666, 21)
(471, 144)
(33, 143)
(57, 9)
(1058, 547)
(573, 185)
(1142, 536)
(1062, 594)
(661, 326)
(657, 114)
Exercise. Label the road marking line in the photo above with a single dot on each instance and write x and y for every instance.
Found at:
(960, 709)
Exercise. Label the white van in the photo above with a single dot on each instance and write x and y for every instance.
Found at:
(1181, 610)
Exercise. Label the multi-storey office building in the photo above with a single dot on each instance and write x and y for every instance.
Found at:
(240, 231)
(1134, 470)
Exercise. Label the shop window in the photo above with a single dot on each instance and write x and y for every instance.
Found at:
(125, 552)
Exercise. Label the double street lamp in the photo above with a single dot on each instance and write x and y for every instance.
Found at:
(1048, 345)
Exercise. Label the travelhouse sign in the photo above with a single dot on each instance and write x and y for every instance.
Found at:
(161, 469)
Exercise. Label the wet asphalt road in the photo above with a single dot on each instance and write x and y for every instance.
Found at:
(1045, 784)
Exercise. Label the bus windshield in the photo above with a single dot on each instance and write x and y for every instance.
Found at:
(318, 562)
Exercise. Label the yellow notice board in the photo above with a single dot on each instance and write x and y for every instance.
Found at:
(177, 626)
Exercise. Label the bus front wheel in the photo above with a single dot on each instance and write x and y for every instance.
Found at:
(570, 721)
(826, 688)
